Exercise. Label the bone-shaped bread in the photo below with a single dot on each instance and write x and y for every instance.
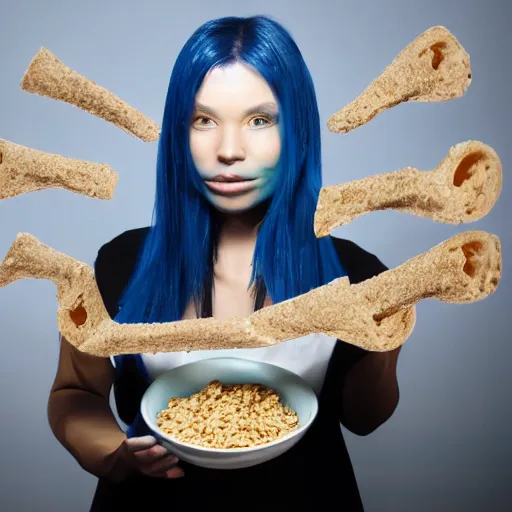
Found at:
(463, 188)
(24, 170)
(377, 314)
(47, 76)
(434, 67)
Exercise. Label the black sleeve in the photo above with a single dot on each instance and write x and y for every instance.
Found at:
(114, 265)
(359, 266)
(104, 273)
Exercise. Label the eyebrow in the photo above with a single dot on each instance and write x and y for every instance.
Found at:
(269, 108)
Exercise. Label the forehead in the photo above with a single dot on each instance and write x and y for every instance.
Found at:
(234, 86)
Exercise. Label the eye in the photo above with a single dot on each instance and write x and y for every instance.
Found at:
(260, 121)
(202, 121)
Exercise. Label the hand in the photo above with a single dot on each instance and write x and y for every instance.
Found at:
(146, 456)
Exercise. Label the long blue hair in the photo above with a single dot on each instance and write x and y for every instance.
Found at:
(175, 264)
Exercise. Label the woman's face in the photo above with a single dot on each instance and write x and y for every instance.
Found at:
(234, 138)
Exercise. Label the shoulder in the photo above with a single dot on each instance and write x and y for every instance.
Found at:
(115, 262)
(124, 245)
(358, 263)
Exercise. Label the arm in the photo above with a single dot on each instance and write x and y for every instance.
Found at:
(370, 392)
(79, 409)
(365, 388)
(79, 412)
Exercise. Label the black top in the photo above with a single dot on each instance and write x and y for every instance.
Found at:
(317, 468)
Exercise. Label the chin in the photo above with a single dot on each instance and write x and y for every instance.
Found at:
(232, 209)
(236, 205)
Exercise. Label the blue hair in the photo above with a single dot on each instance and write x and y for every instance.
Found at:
(175, 265)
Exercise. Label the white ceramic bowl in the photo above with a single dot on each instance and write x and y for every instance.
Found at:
(190, 378)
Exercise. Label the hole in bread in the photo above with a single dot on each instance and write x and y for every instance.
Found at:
(471, 251)
(463, 171)
(1, 157)
(438, 57)
(78, 315)
(469, 211)
(438, 54)
(378, 317)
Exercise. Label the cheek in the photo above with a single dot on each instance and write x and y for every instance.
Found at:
(266, 146)
(201, 148)
(274, 149)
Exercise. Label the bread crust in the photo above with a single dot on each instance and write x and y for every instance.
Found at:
(434, 67)
(463, 188)
(377, 314)
(24, 170)
(48, 76)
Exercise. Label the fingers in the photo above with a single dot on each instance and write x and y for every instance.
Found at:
(151, 458)
(150, 455)
(162, 466)
(175, 473)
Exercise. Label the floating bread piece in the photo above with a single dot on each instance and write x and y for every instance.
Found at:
(463, 188)
(434, 67)
(24, 170)
(377, 314)
(48, 76)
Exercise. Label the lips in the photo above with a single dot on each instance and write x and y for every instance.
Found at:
(229, 184)
(229, 178)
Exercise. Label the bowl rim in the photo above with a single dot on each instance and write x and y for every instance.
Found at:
(293, 433)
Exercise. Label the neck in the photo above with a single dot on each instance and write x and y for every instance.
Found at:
(243, 227)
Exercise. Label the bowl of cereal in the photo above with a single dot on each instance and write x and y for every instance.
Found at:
(228, 412)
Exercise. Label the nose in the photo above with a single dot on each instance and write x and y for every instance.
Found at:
(231, 146)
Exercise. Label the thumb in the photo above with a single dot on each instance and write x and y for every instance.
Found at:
(135, 444)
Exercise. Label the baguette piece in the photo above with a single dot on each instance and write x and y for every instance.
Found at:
(463, 188)
(434, 67)
(24, 170)
(377, 314)
(47, 76)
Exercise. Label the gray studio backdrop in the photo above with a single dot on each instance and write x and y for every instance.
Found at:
(447, 447)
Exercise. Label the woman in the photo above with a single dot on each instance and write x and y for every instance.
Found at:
(238, 177)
